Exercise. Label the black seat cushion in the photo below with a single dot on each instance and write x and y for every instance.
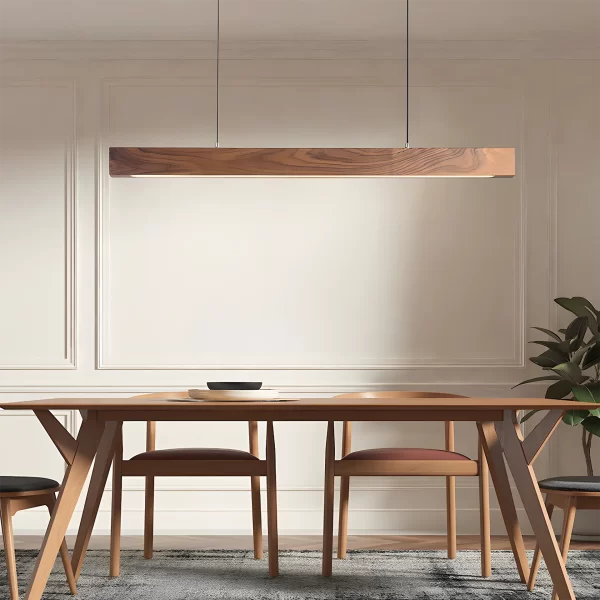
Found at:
(573, 483)
(195, 454)
(26, 484)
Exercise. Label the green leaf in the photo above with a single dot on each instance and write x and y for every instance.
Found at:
(577, 356)
(560, 389)
(592, 424)
(561, 347)
(592, 357)
(587, 393)
(550, 358)
(545, 378)
(576, 332)
(529, 415)
(587, 304)
(548, 332)
(575, 417)
(579, 307)
(568, 371)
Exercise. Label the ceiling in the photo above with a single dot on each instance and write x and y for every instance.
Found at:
(473, 20)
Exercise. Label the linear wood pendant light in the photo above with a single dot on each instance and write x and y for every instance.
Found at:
(311, 162)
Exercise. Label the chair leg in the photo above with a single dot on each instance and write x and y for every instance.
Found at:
(451, 515)
(9, 548)
(328, 501)
(537, 555)
(273, 537)
(343, 524)
(117, 502)
(257, 535)
(149, 519)
(484, 512)
(567, 531)
(64, 554)
(256, 517)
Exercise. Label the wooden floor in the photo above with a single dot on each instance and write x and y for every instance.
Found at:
(297, 542)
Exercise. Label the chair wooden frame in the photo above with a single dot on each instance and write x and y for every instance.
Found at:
(10, 504)
(152, 468)
(570, 502)
(450, 469)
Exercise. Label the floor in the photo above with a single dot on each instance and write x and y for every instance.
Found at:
(297, 542)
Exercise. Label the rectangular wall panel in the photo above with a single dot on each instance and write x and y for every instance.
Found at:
(321, 274)
(37, 308)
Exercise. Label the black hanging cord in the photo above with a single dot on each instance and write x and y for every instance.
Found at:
(406, 144)
(218, 64)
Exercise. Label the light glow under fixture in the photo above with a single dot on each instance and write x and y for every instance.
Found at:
(311, 162)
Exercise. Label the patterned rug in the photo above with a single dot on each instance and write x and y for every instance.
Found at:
(365, 575)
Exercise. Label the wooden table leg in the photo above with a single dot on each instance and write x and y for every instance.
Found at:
(495, 458)
(328, 501)
(273, 533)
(533, 502)
(87, 445)
(117, 505)
(64, 553)
(104, 457)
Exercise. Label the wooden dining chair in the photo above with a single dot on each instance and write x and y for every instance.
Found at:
(177, 462)
(20, 493)
(403, 462)
(571, 493)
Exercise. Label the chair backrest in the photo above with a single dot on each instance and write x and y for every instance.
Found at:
(151, 425)
(346, 443)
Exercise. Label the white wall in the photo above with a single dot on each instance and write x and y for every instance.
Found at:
(119, 286)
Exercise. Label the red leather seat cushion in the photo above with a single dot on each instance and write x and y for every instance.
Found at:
(195, 454)
(404, 454)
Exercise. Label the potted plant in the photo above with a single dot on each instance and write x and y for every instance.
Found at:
(572, 361)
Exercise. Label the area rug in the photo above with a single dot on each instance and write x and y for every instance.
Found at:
(365, 575)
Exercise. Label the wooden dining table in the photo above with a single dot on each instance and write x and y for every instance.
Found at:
(496, 420)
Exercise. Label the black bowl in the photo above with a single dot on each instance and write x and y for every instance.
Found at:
(234, 385)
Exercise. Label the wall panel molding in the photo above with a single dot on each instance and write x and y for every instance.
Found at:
(70, 220)
(453, 49)
(517, 360)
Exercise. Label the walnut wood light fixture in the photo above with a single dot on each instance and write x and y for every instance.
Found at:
(311, 162)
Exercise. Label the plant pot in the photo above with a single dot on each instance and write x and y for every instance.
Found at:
(587, 526)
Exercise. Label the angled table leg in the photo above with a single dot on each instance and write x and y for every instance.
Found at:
(87, 445)
(104, 457)
(526, 482)
(495, 458)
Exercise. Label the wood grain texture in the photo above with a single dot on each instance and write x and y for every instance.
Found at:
(9, 547)
(255, 494)
(411, 468)
(102, 463)
(484, 514)
(312, 162)
(497, 469)
(533, 503)
(328, 500)
(62, 439)
(88, 440)
(272, 533)
(116, 508)
(148, 494)
(326, 407)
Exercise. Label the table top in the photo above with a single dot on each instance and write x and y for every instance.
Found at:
(296, 408)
